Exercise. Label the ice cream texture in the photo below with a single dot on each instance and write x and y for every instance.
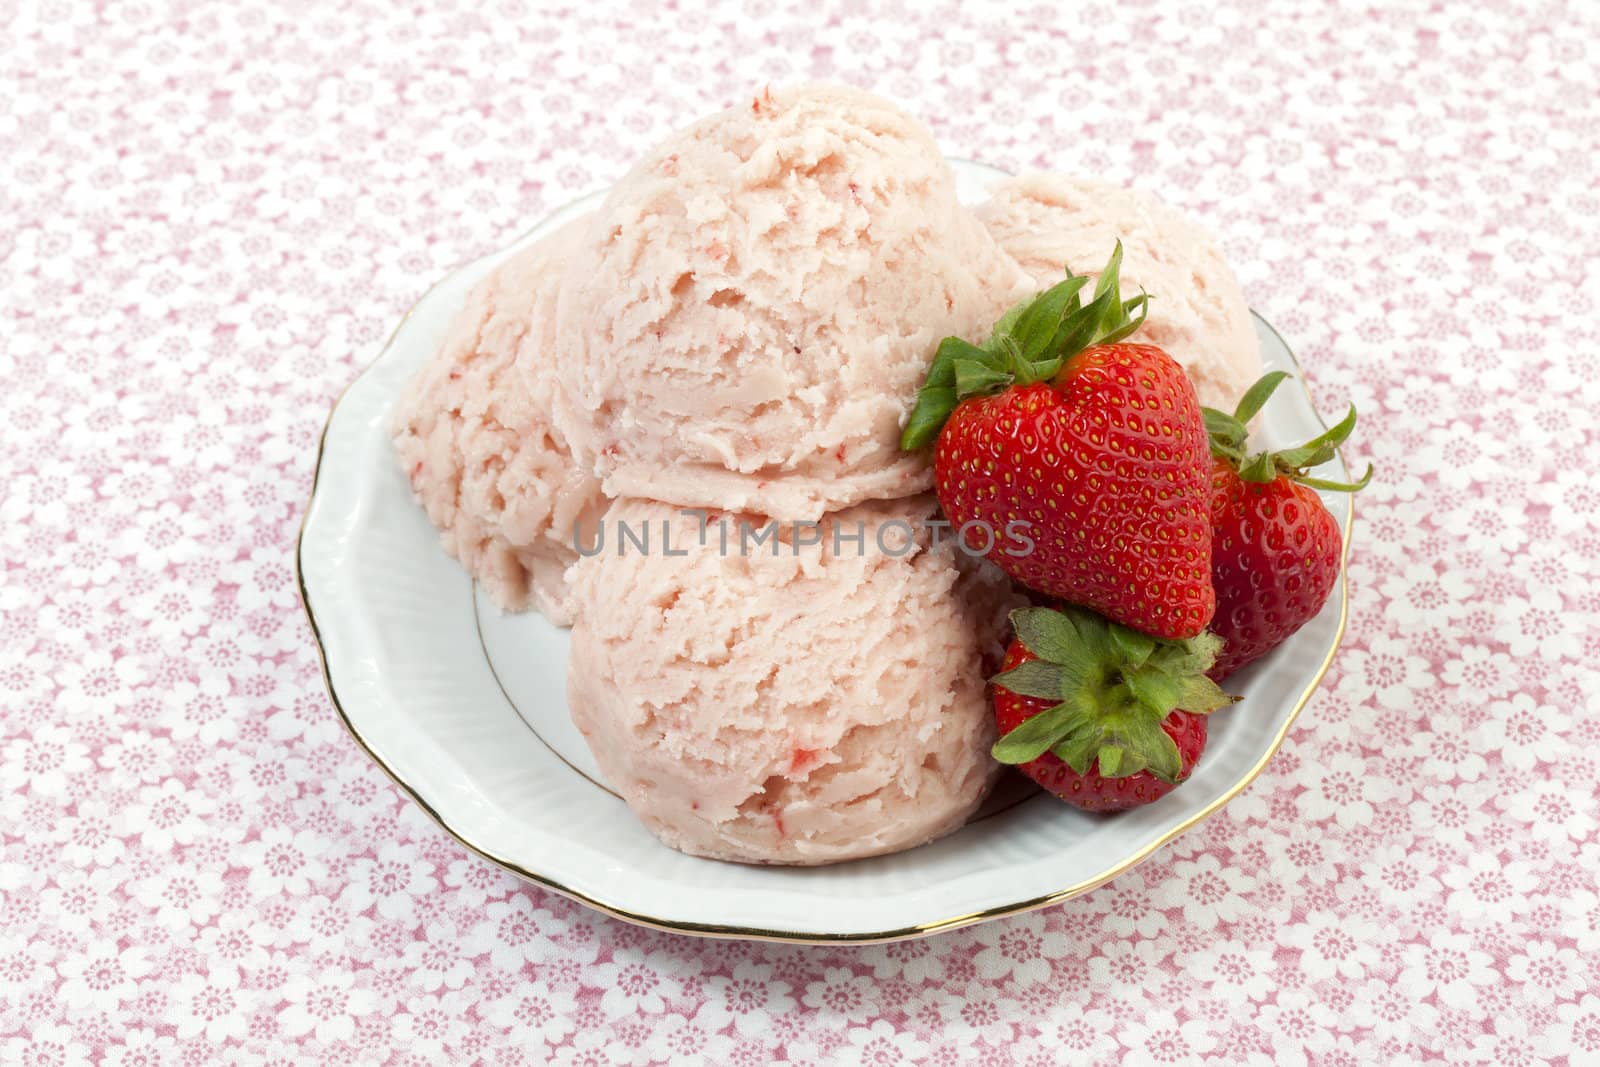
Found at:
(816, 705)
(474, 436)
(742, 326)
(1197, 314)
(757, 301)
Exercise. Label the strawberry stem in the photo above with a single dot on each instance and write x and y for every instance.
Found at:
(1229, 434)
(1029, 343)
(1114, 688)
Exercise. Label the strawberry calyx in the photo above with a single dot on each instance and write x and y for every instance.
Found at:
(1029, 343)
(1230, 434)
(1113, 687)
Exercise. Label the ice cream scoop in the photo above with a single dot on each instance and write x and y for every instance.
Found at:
(473, 434)
(755, 304)
(1197, 314)
(802, 701)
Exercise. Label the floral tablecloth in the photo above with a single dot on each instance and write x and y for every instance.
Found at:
(213, 213)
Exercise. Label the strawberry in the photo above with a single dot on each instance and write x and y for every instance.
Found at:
(1076, 463)
(1275, 549)
(1102, 716)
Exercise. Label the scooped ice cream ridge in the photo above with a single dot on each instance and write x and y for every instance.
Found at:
(1198, 314)
(474, 436)
(755, 303)
(802, 707)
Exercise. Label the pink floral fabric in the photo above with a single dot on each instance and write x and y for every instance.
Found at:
(213, 213)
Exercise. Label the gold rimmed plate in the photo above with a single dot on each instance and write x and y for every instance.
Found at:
(465, 708)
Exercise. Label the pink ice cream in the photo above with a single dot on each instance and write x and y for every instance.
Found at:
(806, 708)
(1198, 313)
(757, 301)
(474, 435)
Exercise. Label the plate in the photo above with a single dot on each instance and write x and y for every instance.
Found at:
(465, 708)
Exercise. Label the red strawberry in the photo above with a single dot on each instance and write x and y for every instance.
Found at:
(1077, 464)
(1275, 549)
(1090, 709)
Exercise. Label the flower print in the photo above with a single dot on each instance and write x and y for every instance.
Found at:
(1555, 971)
(135, 757)
(514, 932)
(912, 959)
(1156, 1036)
(48, 1044)
(1017, 948)
(1550, 814)
(1297, 1023)
(168, 814)
(424, 1024)
(1084, 1035)
(1415, 592)
(234, 940)
(1232, 966)
(540, 1010)
(1208, 891)
(44, 761)
(325, 1004)
(1388, 675)
(1484, 672)
(393, 881)
(179, 896)
(140, 1047)
(747, 999)
(436, 960)
(204, 704)
(635, 983)
(1126, 962)
(1343, 789)
(1482, 886)
(93, 837)
(1575, 1032)
(283, 861)
(1539, 623)
(473, 881)
(841, 994)
(213, 1006)
(1523, 734)
(1129, 910)
(1449, 965)
(881, 1045)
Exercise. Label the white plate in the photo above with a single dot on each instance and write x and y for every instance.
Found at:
(466, 709)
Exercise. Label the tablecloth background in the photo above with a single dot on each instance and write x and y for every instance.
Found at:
(213, 213)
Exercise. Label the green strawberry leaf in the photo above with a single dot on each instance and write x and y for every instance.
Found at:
(1030, 342)
(1155, 690)
(1228, 436)
(1114, 686)
(1050, 635)
(934, 405)
(1259, 468)
(1256, 397)
(1036, 326)
(1338, 487)
(1033, 678)
(975, 377)
(1135, 646)
(1033, 737)
(1201, 696)
(1132, 322)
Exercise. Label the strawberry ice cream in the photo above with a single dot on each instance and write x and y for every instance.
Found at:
(474, 436)
(800, 708)
(755, 305)
(1198, 313)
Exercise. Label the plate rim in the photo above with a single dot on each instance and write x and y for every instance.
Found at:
(737, 932)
